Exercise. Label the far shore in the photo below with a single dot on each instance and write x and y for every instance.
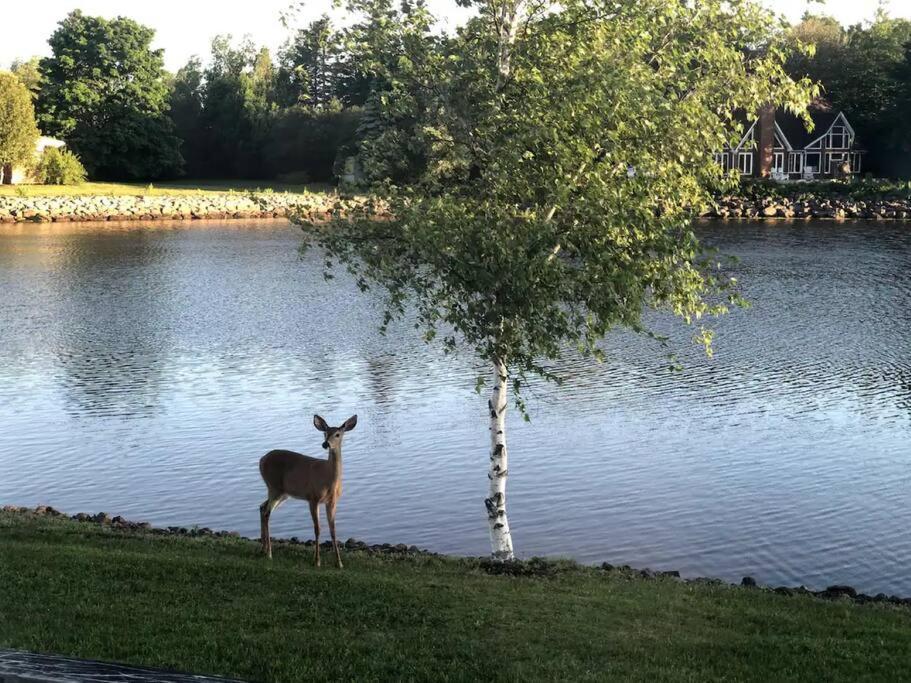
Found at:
(253, 200)
(167, 205)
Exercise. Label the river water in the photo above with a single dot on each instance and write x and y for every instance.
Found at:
(145, 369)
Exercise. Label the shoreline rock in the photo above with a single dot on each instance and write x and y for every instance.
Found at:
(532, 567)
(224, 206)
(319, 207)
(118, 522)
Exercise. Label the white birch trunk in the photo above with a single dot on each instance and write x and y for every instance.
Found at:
(507, 23)
(508, 19)
(500, 537)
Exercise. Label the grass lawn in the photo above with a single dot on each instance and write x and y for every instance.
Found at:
(173, 187)
(212, 605)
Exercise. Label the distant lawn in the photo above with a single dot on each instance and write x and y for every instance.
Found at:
(172, 187)
(212, 605)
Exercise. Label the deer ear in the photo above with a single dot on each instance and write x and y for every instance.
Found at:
(320, 423)
(350, 423)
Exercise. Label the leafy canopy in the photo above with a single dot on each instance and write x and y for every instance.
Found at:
(18, 132)
(105, 93)
(556, 199)
(860, 69)
(29, 73)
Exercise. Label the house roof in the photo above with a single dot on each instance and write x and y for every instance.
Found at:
(794, 129)
(46, 141)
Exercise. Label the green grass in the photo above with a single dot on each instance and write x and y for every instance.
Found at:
(212, 605)
(174, 187)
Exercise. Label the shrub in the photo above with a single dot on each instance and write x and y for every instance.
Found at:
(59, 167)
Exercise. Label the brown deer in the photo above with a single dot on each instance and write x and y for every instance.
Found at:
(289, 474)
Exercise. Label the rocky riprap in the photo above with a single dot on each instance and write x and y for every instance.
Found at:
(225, 205)
(533, 567)
(839, 208)
(118, 522)
(835, 592)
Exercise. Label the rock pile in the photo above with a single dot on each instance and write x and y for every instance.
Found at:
(533, 567)
(223, 205)
(118, 522)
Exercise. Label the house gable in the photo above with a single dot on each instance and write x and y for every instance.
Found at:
(749, 136)
(781, 140)
(843, 140)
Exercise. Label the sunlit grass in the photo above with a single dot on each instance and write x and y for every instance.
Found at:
(174, 187)
(213, 605)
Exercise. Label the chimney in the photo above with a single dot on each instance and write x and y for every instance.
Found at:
(766, 140)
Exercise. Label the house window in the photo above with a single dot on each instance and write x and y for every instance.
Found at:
(835, 160)
(745, 163)
(838, 138)
(855, 163)
(778, 162)
(723, 160)
(812, 162)
(795, 163)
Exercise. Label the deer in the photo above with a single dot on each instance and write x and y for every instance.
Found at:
(293, 475)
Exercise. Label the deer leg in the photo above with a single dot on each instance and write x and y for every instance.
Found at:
(265, 511)
(330, 515)
(314, 512)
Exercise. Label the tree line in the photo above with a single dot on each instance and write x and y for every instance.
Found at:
(245, 114)
(864, 70)
(331, 94)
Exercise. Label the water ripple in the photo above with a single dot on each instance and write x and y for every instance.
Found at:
(144, 370)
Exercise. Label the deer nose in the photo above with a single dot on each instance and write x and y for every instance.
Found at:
(325, 444)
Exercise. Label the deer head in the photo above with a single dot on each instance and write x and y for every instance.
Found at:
(333, 435)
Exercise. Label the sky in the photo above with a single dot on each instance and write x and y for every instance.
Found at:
(185, 27)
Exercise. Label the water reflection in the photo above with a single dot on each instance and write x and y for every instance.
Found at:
(111, 310)
(784, 457)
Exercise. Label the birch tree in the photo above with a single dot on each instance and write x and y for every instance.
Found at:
(566, 149)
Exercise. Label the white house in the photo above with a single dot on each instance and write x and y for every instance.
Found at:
(14, 175)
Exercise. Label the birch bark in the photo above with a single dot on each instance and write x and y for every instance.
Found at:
(500, 537)
(508, 19)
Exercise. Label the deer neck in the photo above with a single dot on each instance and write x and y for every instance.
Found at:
(335, 463)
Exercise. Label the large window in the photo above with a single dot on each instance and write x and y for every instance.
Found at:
(745, 163)
(813, 162)
(838, 138)
(795, 163)
(778, 162)
(835, 160)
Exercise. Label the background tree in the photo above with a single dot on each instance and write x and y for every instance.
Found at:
(897, 118)
(105, 93)
(309, 61)
(18, 131)
(29, 73)
(566, 148)
(859, 69)
(186, 107)
(236, 109)
(388, 52)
